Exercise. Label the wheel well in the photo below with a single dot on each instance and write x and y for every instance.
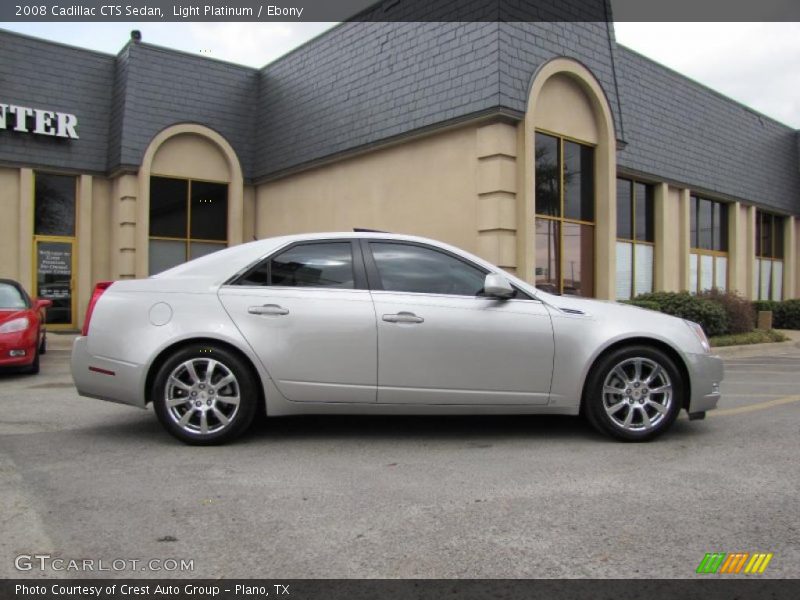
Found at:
(156, 364)
(665, 348)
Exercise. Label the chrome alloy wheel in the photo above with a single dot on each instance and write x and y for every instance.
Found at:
(202, 395)
(637, 394)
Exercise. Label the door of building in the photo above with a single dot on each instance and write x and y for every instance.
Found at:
(54, 245)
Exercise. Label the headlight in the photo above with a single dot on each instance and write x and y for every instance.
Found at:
(15, 325)
(701, 335)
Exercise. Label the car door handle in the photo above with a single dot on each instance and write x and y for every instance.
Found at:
(403, 317)
(268, 309)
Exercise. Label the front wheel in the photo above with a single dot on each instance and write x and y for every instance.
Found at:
(634, 394)
(205, 395)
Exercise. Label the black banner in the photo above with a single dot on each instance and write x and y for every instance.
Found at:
(711, 588)
(397, 10)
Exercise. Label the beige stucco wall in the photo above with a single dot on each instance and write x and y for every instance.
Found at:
(190, 156)
(9, 224)
(425, 187)
(564, 108)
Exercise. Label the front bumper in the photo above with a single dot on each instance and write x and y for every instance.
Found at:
(105, 378)
(706, 373)
(23, 340)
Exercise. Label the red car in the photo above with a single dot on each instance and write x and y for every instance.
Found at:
(22, 334)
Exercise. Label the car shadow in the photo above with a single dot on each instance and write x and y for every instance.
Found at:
(477, 431)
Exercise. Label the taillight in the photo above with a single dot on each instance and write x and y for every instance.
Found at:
(99, 288)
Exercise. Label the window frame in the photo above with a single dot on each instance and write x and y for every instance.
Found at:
(359, 272)
(776, 222)
(188, 240)
(633, 241)
(561, 219)
(699, 252)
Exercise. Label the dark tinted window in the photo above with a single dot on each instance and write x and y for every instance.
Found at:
(624, 209)
(548, 177)
(644, 213)
(209, 211)
(708, 224)
(720, 234)
(306, 265)
(168, 207)
(11, 297)
(410, 268)
(578, 182)
(54, 205)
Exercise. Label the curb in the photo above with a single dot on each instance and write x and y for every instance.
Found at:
(755, 349)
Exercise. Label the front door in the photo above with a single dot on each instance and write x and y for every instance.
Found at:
(54, 279)
(54, 246)
(308, 316)
(440, 342)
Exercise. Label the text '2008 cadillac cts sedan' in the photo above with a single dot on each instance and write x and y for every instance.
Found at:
(372, 323)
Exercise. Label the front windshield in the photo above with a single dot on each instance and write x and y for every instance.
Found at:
(11, 297)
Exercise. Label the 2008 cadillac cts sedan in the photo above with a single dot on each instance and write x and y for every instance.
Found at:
(372, 323)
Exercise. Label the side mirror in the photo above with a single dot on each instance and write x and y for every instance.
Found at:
(497, 286)
(43, 303)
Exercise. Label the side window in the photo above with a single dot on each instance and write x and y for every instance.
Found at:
(306, 265)
(410, 268)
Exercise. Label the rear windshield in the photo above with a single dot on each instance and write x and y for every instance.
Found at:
(11, 297)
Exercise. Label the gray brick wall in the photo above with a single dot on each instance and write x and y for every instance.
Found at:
(682, 131)
(524, 47)
(50, 76)
(164, 87)
(364, 82)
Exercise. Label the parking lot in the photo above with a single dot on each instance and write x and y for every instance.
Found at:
(401, 497)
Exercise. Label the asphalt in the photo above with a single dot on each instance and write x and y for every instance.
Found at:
(402, 497)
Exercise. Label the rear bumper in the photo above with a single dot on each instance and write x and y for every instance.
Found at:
(707, 372)
(105, 378)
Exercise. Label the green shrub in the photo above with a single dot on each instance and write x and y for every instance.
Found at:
(740, 312)
(710, 315)
(785, 315)
(644, 304)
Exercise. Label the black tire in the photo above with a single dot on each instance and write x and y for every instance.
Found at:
(608, 411)
(33, 369)
(202, 405)
(43, 343)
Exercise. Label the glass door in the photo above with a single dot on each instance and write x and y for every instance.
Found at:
(55, 259)
(54, 246)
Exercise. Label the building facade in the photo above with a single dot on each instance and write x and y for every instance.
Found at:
(546, 148)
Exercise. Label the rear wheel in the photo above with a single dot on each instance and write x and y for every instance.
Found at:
(205, 395)
(634, 394)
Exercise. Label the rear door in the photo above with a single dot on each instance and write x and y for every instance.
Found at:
(441, 342)
(308, 315)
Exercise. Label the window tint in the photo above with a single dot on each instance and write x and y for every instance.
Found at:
(54, 205)
(306, 265)
(624, 209)
(548, 176)
(645, 226)
(578, 182)
(409, 268)
(168, 208)
(11, 297)
(209, 211)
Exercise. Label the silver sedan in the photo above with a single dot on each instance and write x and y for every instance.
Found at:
(372, 323)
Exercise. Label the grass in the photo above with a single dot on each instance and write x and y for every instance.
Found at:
(757, 336)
